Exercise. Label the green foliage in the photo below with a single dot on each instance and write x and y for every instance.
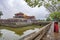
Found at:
(42, 0)
(1, 34)
(48, 19)
(33, 3)
(58, 8)
(47, 5)
(1, 13)
(27, 0)
(54, 2)
(55, 16)
(39, 4)
(58, 0)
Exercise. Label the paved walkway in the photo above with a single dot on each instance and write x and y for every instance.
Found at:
(51, 35)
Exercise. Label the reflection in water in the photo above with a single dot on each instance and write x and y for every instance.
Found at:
(30, 31)
(1, 34)
(10, 35)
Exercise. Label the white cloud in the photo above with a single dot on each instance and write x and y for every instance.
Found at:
(10, 7)
(11, 2)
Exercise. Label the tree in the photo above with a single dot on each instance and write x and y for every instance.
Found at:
(51, 5)
(48, 19)
(1, 14)
(55, 16)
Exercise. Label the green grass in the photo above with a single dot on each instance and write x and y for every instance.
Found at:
(0, 34)
(20, 30)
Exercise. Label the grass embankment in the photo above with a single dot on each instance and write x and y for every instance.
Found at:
(20, 30)
(0, 34)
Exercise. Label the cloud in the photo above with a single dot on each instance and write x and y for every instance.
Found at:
(11, 2)
(10, 7)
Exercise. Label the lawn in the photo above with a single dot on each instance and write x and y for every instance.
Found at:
(20, 30)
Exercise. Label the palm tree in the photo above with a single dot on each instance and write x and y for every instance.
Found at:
(1, 14)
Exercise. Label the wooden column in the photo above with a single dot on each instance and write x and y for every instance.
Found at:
(56, 28)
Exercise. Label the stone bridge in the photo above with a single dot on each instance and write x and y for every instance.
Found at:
(45, 33)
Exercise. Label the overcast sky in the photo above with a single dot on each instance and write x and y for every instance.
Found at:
(11, 7)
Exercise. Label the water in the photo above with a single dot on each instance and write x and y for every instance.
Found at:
(10, 35)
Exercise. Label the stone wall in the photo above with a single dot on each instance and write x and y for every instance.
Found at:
(15, 22)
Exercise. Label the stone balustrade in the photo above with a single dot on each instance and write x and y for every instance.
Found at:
(38, 35)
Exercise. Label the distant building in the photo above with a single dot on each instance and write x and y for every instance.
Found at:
(31, 17)
(19, 19)
(19, 15)
(22, 15)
